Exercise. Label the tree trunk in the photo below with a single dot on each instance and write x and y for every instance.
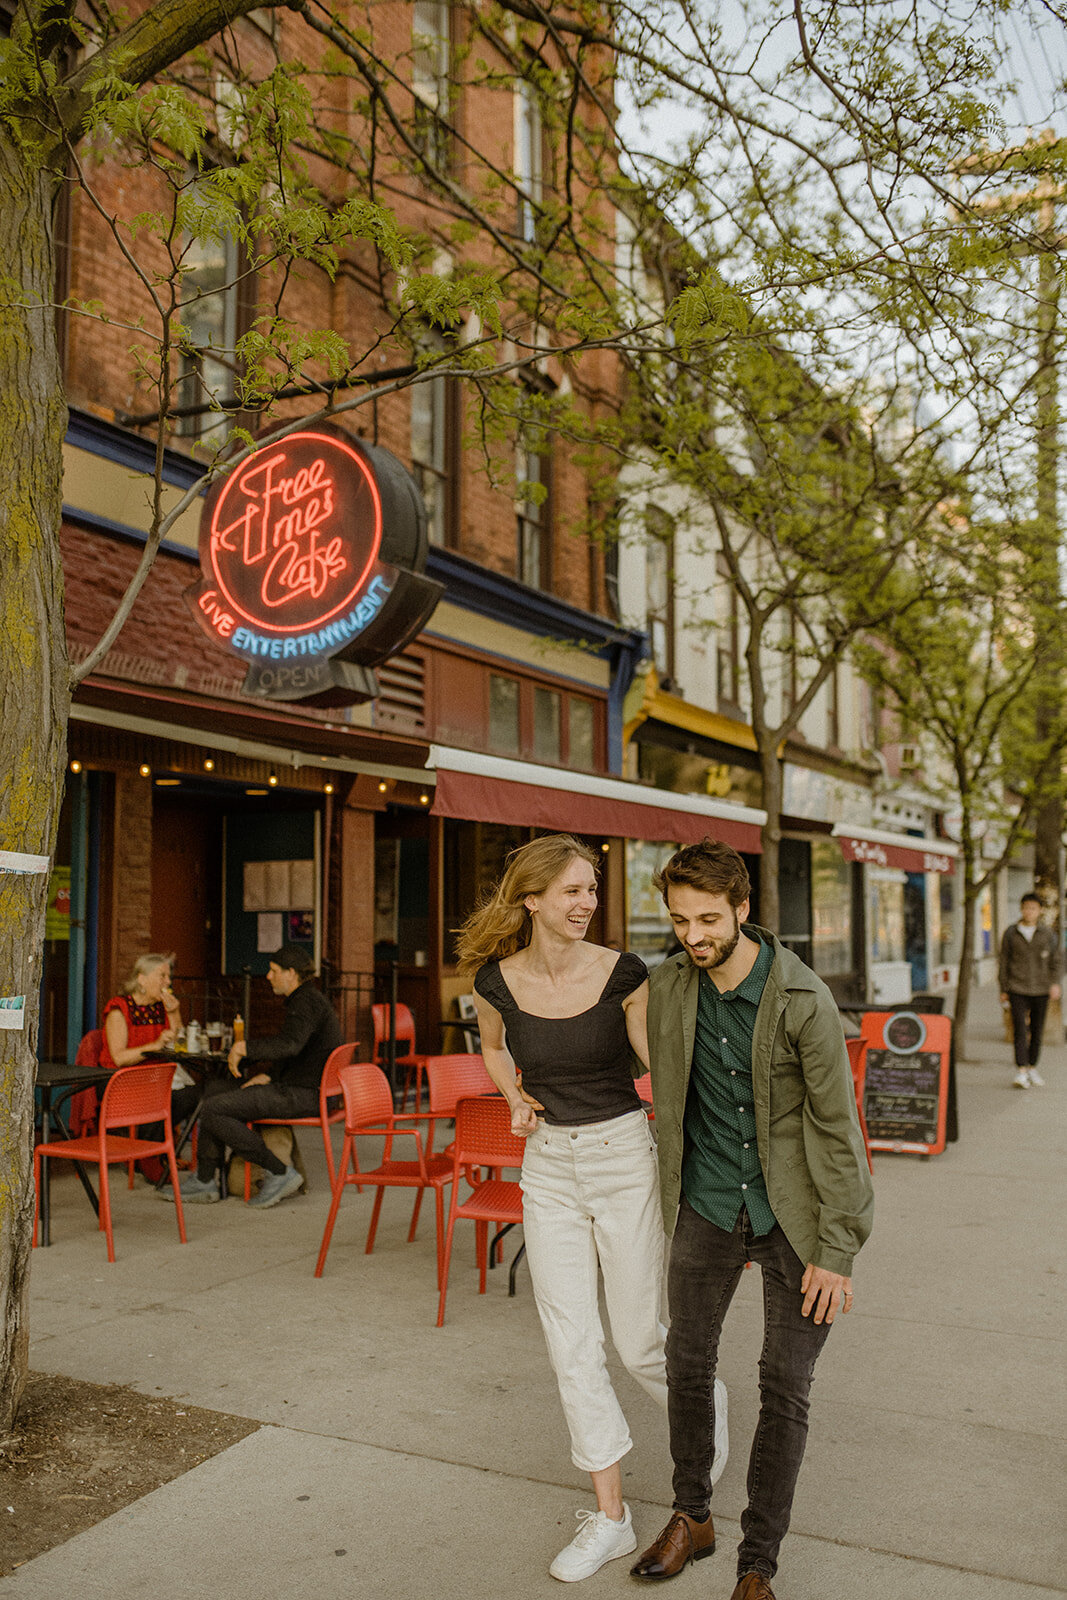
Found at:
(34, 692)
(963, 986)
(770, 910)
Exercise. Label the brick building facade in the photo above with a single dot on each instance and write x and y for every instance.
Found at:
(503, 716)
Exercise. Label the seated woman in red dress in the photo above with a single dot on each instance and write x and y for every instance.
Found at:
(143, 1021)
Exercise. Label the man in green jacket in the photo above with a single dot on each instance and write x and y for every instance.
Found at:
(761, 1159)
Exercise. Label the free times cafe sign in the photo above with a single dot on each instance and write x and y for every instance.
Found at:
(311, 558)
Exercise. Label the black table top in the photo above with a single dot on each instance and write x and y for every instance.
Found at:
(53, 1073)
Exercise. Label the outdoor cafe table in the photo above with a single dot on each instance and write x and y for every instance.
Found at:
(57, 1078)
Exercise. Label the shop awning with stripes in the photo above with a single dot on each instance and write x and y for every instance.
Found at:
(482, 788)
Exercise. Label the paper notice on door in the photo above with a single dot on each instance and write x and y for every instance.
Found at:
(268, 932)
(12, 1011)
(302, 885)
(278, 889)
(255, 886)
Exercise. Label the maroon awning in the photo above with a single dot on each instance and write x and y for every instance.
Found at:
(911, 857)
(476, 798)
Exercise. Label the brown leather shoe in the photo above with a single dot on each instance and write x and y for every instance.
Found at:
(684, 1539)
(753, 1586)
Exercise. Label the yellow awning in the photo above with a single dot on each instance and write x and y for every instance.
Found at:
(646, 700)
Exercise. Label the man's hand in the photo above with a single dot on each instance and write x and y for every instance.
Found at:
(235, 1057)
(259, 1077)
(1054, 992)
(820, 1289)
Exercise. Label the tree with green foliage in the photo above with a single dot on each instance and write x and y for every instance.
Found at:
(332, 162)
(808, 159)
(965, 680)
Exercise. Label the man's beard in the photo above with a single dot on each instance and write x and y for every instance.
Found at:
(720, 950)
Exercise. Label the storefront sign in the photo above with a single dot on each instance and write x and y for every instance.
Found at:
(907, 857)
(311, 553)
(905, 1094)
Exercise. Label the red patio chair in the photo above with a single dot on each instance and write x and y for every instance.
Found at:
(329, 1089)
(369, 1109)
(84, 1102)
(483, 1139)
(405, 1047)
(643, 1085)
(857, 1060)
(132, 1096)
(452, 1079)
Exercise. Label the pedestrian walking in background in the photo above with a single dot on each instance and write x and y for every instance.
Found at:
(567, 1013)
(761, 1161)
(1030, 966)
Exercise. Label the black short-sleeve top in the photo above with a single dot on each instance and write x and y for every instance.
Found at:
(578, 1067)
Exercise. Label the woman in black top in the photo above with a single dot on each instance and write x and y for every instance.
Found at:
(566, 1013)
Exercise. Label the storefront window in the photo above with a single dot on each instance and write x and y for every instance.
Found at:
(474, 857)
(504, 714)
(946, 918)
(887, 913)
(648, 929)
(831, 909)
(580, 717)
(546, 726)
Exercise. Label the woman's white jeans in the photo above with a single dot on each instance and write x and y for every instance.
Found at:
(590, 1193)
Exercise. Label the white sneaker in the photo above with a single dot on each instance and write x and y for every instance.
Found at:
(722, 1432)
(1021, 1079)
(598, 1540)
(1036, 1080)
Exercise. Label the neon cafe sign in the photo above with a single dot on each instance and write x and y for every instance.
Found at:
(311, 557)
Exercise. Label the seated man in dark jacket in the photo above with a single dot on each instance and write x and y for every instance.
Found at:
(286, 1085)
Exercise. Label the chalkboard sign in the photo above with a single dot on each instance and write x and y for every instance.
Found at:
(905, 1093)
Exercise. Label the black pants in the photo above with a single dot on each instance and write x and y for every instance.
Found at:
(225, 1117)
(705, 1267)
(1027, 1026)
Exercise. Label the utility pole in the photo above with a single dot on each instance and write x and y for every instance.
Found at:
(1036, 155)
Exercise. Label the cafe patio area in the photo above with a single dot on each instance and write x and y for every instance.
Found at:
(401, 1461)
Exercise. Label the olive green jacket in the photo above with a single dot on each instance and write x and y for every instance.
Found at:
(807, 1127)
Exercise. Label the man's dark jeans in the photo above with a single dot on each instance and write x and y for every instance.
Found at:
(1028, 1026)
(225, 1117)
(705, 1266)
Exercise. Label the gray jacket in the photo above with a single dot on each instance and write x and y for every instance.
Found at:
(1029, 966)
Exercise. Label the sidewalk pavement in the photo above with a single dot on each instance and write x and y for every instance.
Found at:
(397, 1461)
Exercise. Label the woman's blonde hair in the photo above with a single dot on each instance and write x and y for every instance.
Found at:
(501, 925)
(143, 966)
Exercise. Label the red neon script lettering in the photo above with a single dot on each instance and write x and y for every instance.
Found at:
(295, 571)
(281, 529)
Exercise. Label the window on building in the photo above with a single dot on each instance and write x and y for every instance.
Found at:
(430, 78)
(433, 453)
(504, 714)
(546, 726)
(728, 647)
(209, 315)
(529, 159)
(790, 664)
(533, 508)
(582, 734)
(833, 706)
(659, 585)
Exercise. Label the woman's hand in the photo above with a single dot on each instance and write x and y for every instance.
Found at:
(523, 1118)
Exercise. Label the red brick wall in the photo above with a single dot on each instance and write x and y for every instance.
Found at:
(102, 357)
